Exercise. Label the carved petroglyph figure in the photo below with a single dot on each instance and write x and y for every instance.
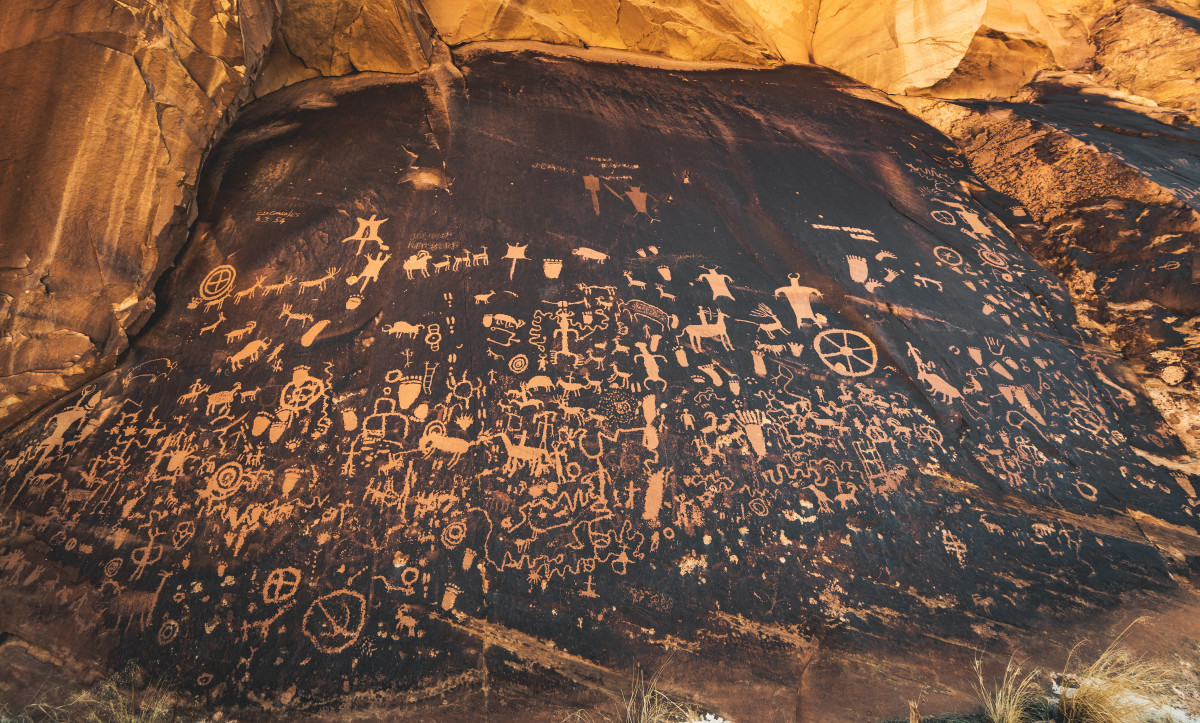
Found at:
(717, 282)
(288, 317)
(368, 230)
(515, 253)
(417, 263)
(239, 334)
(371, 271)
(846, 351)
(249, 353)
(319, 284)
(705, 330)
(590, 254)
(800, 297)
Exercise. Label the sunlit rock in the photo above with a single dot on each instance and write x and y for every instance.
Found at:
(521, 370)
(108, 110)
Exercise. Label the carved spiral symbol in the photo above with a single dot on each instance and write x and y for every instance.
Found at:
(226, 480)
(518, 364)
(453, 534)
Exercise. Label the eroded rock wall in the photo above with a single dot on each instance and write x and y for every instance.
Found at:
(1116, 218)
(525, 369)
(108, 111)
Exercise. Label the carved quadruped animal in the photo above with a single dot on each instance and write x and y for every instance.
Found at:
(418, 263)
(705, 330)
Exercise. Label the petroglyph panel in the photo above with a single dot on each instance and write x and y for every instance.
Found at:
(598, 365)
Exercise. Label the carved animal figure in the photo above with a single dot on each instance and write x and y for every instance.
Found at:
(406, 624)
(940, 387)
(570, 388)
(519, 454)
(239, 334)
(417, 263)
(590, 254)
(320, 283)
(289, 317)
(822, 498)
(538, 383)
(634, 282)
(762, 311)
(622, 376)
(461, 261)
(440, 266)
(250, 352)
(141, 604)
(249, 395)
(570, 412)
(662, 293)
(484, 298)
(237, 298)
(434, 438)
(213, 326)
(403, 329)
(276, 288)
(215, 303)
(222, 400)
(480, 259)
(193, 393)
(705, 330)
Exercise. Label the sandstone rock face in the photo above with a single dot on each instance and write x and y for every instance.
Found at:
(1152, 50)
(337, 38)
(1117, 219)
(898, 45)
(523, 369)
(682, 29)
(108, 111)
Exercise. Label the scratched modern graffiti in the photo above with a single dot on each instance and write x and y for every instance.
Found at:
(388, 393)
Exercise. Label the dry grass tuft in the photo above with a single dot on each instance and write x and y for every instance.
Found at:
(1009, 701)
(645, 703)
(1119, 687)
(123, 698)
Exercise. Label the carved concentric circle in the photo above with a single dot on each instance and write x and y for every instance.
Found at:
(225, 481)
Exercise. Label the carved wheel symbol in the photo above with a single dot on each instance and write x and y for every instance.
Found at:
(302, 394)
(947, 255)
(847, 352)
(218, 282)
(281, 585)
(334, 621)
(944, 217)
